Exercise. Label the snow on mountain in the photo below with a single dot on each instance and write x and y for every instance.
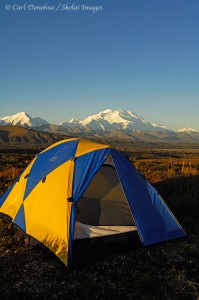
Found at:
(161, 126)
(2, 122)
(114, 120)
(22, 119)
(187, 130)
(73, 123)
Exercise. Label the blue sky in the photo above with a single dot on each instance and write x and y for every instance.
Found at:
(139, 55)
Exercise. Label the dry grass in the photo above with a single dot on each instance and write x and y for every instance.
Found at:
(10, 172)
(11, 166)
(156, 170)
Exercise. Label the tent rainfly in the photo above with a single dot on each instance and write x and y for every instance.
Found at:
(79, 189)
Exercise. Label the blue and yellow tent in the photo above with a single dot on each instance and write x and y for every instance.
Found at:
(81, 189)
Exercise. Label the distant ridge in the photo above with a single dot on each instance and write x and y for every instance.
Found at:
(15, 136)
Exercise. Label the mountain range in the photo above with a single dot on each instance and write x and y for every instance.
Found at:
(108, 125)
(106, 120)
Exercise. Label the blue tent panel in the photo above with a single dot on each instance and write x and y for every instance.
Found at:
(20, 218)
(86, 166)
(154, 220)
(48, 161)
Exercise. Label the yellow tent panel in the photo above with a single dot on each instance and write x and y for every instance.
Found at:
(47, 210)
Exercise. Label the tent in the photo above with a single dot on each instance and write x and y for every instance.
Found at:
(79, 189)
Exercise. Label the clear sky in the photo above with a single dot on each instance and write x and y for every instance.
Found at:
(139, 55)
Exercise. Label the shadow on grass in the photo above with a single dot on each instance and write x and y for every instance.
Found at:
(87, 251)
(182, 196)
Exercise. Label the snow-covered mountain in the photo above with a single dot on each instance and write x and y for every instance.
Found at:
(114, 120)
(22, 119)
(117, 125)
(105, 121)
(187, 130)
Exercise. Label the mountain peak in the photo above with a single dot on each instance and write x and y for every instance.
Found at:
(22, 119)
(22, 113)
(106, 111)
(74, 120)
(187, 130)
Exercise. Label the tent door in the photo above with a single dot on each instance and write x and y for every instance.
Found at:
(103, 209)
